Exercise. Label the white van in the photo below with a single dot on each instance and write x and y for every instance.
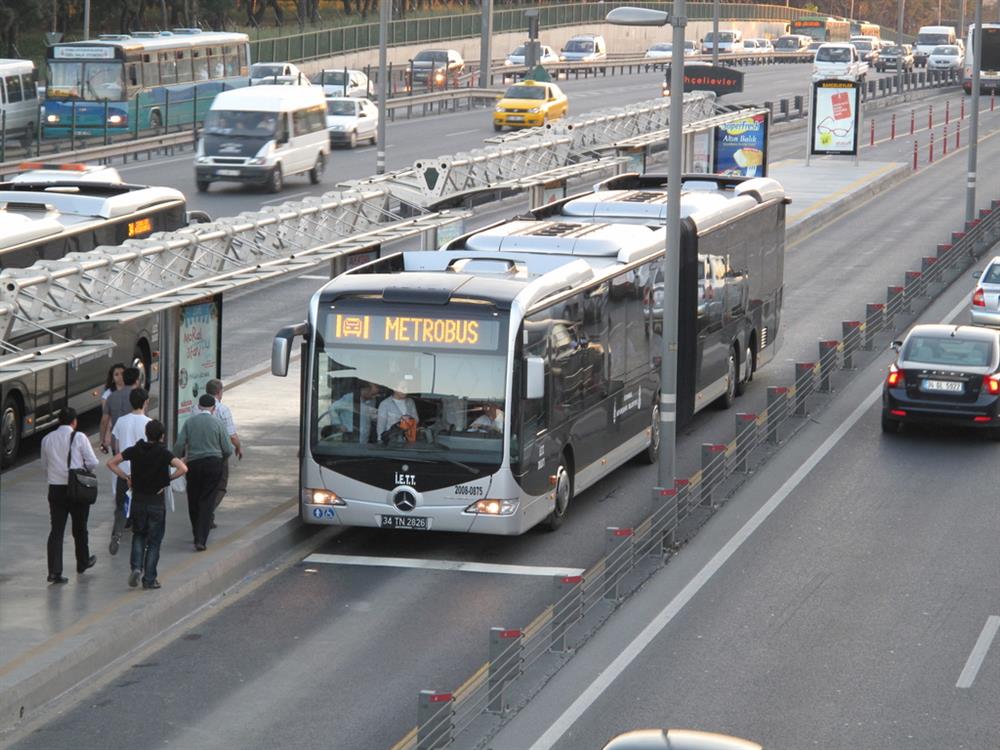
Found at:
(18, 99)
(260, 135)
(730, 40)
(929, 37)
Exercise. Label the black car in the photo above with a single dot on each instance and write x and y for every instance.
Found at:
(947, 375)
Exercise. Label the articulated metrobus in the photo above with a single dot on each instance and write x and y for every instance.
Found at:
(480, 387)
(45, 214)
(989, 71)
(124, 83)
(822, 28)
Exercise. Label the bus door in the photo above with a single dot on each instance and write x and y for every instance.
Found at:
(713, 344)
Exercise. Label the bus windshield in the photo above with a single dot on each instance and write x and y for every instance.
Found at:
(435, 402)
(93, 81)
(253, 124)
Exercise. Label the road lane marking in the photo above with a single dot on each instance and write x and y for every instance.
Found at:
(610, 673)
(454, 565)
(284, 198)
(315, 277)
(464, 132)
(978, 654)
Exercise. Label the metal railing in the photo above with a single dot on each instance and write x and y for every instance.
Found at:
(521, 660)
(312, 45)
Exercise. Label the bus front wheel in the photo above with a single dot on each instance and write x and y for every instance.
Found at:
(651, 454)
(563, 496)
(10, 430)
(155, 120)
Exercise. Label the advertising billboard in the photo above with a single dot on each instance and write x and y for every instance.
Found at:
(836, 118)
(199, 353)
(741, 147)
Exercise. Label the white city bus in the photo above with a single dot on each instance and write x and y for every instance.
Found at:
(989, 71)
(480, 387)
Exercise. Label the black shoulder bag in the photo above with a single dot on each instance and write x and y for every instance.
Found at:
(82, 484)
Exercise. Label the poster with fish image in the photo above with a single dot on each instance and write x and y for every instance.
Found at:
(741, 147)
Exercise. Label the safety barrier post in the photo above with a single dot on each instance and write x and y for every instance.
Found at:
(800, 105)
(710, 461)
(506, 657)
(617, 559)
(871, 140)
(777, 401)
(827, 363)
(664, 520)
(914, 155)
(851, 331)
(929, 267)
(892, 130)
(958, 137)
(895, 303)
(930, 116)
(930, 153)
(961, 112)
(912, 281)
(947, 112)
(874, 321)
(944, 142)
(804, 372)
(746, 423)
(567, 609)
(913, 120)
(435, 720)
(993, 99)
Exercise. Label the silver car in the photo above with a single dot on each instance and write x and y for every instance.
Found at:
(945, 57)
(985, 307)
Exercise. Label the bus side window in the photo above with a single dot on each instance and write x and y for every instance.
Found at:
(132, 74)
(168, 68)
(150, 70)
(184, 71)
(234, 61)
(200, 64)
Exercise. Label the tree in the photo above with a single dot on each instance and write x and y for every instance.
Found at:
(16, 15)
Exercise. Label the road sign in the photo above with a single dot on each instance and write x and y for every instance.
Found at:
(836, 118)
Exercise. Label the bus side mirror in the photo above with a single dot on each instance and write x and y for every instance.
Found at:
(534, 386)
(281, 347)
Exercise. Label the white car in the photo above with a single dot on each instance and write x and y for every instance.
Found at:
(945, 57)
(343, 82)
(548, 57)
(350, 119)
(279, 72)
(762, 47)
(664, 50)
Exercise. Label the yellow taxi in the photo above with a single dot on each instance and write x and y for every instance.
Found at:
(529, 104)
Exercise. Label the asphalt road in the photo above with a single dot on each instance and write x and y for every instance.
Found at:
(332, 655)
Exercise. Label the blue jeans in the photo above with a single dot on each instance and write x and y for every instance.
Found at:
(149, 521)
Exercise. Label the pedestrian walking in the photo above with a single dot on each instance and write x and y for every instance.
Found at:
(214, 388)
(145, 467)
(64, 449)
(128, 431)
(204, 443)
(116, 407)
(114, 381)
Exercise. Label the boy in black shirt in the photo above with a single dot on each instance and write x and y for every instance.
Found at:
(150, 462)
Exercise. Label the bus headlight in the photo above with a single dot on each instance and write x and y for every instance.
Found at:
(493, 507)
(52, 119)
(321, 497)
(116, 119)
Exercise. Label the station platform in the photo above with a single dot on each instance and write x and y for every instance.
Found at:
(52, 637)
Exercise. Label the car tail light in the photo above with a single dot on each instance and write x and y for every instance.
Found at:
(992, 384)
(978, 298)
(895, 376)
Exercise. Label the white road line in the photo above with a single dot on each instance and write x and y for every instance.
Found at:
(975, 661)
(463, 132)
(284, 198)
(455, 565)
(316, 277)
(610, 673)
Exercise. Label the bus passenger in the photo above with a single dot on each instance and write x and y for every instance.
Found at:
(393, 410)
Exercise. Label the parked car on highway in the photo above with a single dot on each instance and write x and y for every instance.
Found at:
(945, 57)
(839, 60)
(435, 68)
(343, 82)
(944, 374)
(350, 119)
(584, 48)
(890, 56)
(259, 135)
(548, 56)
(268, 72)
(985, 307)
(530, 104)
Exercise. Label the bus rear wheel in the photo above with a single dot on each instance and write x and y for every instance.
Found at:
(10, 430)
(563, 496)
(747, 371)
(651, 453)
(727, 399)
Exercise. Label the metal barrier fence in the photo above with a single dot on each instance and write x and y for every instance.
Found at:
(521, 660)
(312, 45)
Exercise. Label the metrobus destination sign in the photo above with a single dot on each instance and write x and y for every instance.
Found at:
(715, 78)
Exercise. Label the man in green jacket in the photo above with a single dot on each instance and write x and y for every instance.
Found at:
(204, 444)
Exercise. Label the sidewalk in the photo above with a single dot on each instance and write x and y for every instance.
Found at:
(52, 637)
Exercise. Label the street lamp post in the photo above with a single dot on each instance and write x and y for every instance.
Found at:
(977, 63)
(627, 16)
(715, 34)
(899, 44)
(383, 84)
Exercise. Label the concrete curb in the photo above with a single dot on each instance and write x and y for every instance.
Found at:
(233, 562)
(834, 211)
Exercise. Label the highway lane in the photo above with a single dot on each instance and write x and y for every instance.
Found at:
(848, 618)
(329, 673)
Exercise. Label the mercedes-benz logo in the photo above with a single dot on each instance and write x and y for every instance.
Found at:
(404, 500)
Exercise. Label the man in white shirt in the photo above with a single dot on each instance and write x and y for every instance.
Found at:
(59, 444)
(341, 413)
(394, 408)
(128, 430)
(214, 388)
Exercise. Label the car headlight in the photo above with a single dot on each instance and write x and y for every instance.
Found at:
(321, 497)
(534, 110)
(257, 160)
(52, 119)
(498, 108)
(507, 62)
(203, 160)
(493, 507)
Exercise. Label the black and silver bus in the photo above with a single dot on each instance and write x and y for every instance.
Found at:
(478, 388)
